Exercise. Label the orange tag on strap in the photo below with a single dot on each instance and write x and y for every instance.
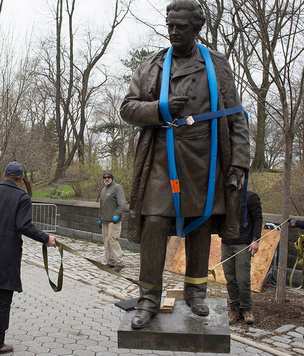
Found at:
(175, 186)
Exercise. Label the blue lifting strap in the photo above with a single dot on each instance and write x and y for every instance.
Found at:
(213, 115)
(245, 183)
(208, 116)
(164, 108)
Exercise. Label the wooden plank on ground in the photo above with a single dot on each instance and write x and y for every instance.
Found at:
(260, 263)
(167, 305)
(168, 302)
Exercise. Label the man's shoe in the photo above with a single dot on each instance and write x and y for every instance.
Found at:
(6, 348)
(141, 319)
(118, 268)
(109, 265)
(198, 306)
(234, 315)
(248, 316)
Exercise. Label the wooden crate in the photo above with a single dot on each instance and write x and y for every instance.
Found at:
(260, 263)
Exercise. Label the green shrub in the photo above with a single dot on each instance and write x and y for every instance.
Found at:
(55, 193)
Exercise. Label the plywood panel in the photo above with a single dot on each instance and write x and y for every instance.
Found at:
(260, 263)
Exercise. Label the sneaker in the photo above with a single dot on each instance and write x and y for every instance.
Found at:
(6, 348)
(234, 315)
(248, 316)
(118, 268)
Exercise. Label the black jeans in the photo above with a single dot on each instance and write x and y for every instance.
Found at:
(6, 297)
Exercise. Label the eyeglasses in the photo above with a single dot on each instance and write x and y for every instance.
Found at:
(106, 177)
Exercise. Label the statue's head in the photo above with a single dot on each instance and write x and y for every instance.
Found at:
(197, 16)
(185, 18)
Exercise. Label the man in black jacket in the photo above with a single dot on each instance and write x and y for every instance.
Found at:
(16, 220)
(237, 269)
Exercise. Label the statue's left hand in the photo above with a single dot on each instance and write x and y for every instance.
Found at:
(234, 176)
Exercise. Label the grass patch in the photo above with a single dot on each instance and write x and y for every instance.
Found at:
(53, 191)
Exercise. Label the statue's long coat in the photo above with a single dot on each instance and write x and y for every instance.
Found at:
(151, 190)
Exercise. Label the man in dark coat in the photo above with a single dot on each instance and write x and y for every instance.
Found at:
(152, 212)
(237, 269)
(16, 220)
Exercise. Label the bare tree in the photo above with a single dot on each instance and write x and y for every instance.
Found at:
(15, 79)
(248, 19)
(287, 74)
(72, 83)
(114, 132)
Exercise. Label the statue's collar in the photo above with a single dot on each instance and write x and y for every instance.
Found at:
(195, 54)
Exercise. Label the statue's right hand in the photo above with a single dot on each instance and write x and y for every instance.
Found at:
(176, 103)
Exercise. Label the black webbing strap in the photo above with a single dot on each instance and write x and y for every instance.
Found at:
(101, 266)
(60, 273)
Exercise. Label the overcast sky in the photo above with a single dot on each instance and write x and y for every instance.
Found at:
(26, 19)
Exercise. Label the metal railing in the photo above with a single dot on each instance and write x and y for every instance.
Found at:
(45, 216)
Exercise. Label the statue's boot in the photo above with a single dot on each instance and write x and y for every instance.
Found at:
(198, 306)
(197, 244)
(152, 257)
(141, 319)
(147, 306)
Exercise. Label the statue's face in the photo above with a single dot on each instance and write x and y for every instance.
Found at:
(181, 31)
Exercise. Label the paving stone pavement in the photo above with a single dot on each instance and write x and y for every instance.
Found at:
(82, 319)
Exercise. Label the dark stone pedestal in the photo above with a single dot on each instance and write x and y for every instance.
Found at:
(181, 330)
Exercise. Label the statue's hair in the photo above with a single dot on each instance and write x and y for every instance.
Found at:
(198, 16)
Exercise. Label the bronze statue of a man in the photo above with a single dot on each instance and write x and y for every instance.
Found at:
(153, 212)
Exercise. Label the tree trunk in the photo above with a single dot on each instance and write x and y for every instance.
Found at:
(59, 128)
(27, 184)
(60, 160)
(281, 283)
(259, 162)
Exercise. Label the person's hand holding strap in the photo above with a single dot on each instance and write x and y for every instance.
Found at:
(51, 242)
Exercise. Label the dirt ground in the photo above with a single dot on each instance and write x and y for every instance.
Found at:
(270, 315)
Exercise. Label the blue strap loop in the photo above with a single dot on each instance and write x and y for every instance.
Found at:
(245, 188)
(164, 109)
